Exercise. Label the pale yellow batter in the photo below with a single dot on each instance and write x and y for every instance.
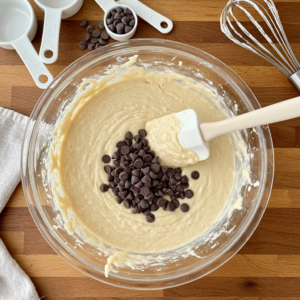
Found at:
(98, 118)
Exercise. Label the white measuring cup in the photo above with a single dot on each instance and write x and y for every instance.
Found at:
(18, 27)
(55, 10)
(149, 15)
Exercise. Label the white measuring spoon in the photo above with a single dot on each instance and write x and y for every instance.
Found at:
(55, 10)
(18, 27)
(149, 15)
(195, 135)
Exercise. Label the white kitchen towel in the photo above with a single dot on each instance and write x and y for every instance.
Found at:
(14, 283)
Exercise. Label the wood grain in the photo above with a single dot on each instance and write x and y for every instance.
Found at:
(268, 266)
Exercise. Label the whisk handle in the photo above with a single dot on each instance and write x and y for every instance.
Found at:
(281, 111)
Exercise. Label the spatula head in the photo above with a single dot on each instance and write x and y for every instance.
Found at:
(190, 135)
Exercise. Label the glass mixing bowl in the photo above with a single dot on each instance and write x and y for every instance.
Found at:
(239, 225)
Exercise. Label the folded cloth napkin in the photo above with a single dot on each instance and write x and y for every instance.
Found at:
(14, 283)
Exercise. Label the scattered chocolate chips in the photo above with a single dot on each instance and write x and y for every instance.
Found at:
(195, 175)
(139, 182)
(101, 25)
(84, 23)
(91, 46)
(86, 37)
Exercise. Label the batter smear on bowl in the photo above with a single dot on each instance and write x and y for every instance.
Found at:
(102, 113)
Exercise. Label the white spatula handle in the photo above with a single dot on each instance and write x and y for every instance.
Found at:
(282, 111)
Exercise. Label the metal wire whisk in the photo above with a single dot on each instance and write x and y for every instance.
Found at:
(234, 30)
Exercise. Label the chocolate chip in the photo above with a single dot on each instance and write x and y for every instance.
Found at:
(170, 171)
(116, 162)
(113, 12)
(146, 179)
(106, 159)
(146, 171)
(115, 156)
(165, 178)
(144, 204)
(131, 17)
(142, 153)
(169, 192)
(84, 23)
(104, 188)
(154, 207)
(127, 203)
(119, 10)
(108, 169)
(152, 153)
(109, 21)
(115, 191)
(117, 16)
(139, 184)
(127, 11)
(150, 218)
(189, 194)
(119, 171)
(131, 23)
(125, 150)
(90, 29)
(171, 207)
(127, 29)
(147, 158)
(162, 202)
(112, 184)
(101, 25)
(137, 138)
(127, 184)
(123, 194)
(98, 45)
(94, 40)
(86, 37)
(145, 191)
(136, 173)
(195, 175)
(137, 146)
(177, 176)
(185, 185)
(184, 179)
(130, 196)
(91, 46)
(112, 27)
(184, 207)
(133, 156)
(102, 42)
(120, 144)
(159, 175)
(83, 45)
(128, 135)
(116, 22)
(153, 175)
(135, 189)
(138, 163)
(123, 176)
(125, 20)
(175, 202)
(146, 148)
(173, 181)
(155, 159)
(96, 33)
(136, 210)
(173, 188)
(110, 177)
(134, 180)
(155, 168)
(179, 188)
(146, 211)
(117, 180)
(142, 133)
(164, 169)
(104, 36)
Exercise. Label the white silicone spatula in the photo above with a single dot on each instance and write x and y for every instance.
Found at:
(195, 135)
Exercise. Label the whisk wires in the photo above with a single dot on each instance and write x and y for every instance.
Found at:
(287, 62)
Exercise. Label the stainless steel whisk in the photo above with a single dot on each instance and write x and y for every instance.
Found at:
(286, 60)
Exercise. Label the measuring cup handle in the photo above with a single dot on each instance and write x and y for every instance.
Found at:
(50, 37)
(31, 60)
(149, 15)
(105, 4)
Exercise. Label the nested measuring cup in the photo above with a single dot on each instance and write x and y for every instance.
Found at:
(18, 27)
(55, 10)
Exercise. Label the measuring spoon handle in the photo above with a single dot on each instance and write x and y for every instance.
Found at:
(31, 60)
(149, 15)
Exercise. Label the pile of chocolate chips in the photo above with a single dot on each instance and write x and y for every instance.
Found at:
(138, 181)
(120, 21)
(97, 39)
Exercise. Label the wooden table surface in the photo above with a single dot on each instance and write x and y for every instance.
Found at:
(269, 264)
